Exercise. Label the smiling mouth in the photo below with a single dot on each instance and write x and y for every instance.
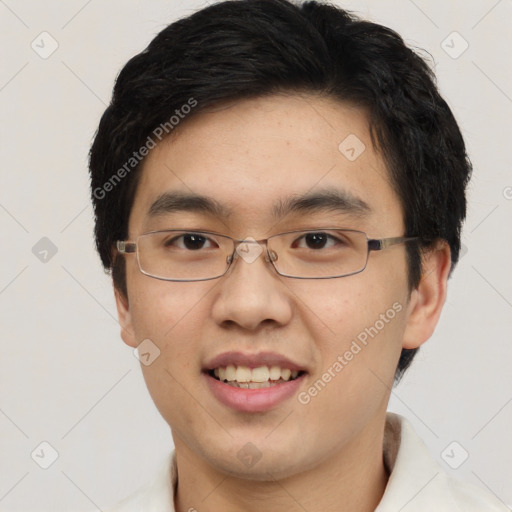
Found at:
(254, 378)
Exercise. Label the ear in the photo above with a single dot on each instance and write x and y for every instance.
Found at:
(125, 319)
(427, 299)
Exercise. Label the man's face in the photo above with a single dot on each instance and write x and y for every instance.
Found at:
(249, 157)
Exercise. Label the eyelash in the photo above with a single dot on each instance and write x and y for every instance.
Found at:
(170, 242)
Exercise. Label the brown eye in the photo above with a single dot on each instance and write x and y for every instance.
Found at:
(190, 242)
(315, 241)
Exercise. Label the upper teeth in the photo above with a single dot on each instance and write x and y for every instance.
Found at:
(260, 374)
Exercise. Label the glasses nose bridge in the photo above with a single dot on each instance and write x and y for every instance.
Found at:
(250, 249)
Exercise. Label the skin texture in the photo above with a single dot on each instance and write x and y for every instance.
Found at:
(326, 454)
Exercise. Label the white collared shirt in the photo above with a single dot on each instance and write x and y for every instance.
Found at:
(417, 483)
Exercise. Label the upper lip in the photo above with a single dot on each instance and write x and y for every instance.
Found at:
(252, 360)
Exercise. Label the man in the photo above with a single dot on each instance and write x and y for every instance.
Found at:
(279, 191)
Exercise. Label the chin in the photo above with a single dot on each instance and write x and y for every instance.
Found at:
(269, 464)
(261, 471)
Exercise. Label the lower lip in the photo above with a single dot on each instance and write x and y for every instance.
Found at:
(253, 400)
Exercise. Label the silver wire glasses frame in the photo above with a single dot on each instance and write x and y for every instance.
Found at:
(189, 255)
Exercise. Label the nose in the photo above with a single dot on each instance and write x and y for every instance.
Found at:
(252, 294)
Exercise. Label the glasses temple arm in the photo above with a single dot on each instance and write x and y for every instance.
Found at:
(126, 247)
(384, 243)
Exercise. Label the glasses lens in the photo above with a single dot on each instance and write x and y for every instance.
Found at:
(318, 254)
(178, 255)
(183, 255)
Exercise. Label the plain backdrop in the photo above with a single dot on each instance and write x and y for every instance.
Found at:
(67, 379)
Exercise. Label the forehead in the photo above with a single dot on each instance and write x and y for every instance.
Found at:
(255, 159)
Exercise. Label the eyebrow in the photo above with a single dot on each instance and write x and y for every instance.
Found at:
(170, 202)
(335, 200)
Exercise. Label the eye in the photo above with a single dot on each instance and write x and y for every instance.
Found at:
(190, 241)
(316, 240)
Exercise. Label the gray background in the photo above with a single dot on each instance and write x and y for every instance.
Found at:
(66, 377)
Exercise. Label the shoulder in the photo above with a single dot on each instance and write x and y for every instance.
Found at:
(471, 498)
(156, 495)
(418, 483)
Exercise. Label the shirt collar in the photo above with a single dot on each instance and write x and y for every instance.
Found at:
(417, 483)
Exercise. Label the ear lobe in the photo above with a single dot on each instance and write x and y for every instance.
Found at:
(125, 319)
(428, 298)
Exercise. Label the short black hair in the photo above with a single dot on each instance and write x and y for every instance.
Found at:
(241, 49)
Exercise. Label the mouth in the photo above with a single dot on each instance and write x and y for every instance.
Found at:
(253, 383)
(254, 378)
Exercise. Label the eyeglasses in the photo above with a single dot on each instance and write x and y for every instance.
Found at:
(324, 253)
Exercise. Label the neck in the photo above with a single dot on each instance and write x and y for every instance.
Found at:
(352, 478)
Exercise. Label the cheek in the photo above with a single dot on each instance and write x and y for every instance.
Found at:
(359, 354)
(172, 316)
(358, 326)
(338, 310)
(160, 309)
